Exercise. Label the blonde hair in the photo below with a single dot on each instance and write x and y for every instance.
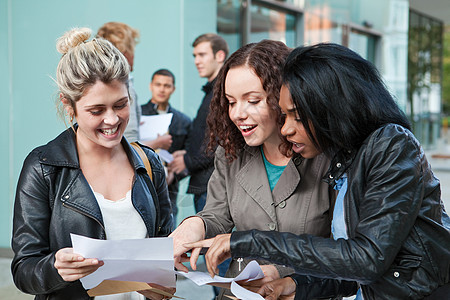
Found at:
(120, 35)
(83, 63)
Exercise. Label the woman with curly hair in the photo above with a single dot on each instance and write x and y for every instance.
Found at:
(257, 182)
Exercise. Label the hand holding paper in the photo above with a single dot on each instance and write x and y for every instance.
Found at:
(219, 251)
(141, 260)
(152, 126)
(72, 266)
(190, 230)
(251, 272)
(283, 288)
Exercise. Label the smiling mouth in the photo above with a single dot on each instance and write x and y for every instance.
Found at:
(247, 128)
(110, 131)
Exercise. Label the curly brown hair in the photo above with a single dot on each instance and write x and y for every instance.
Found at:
(266, 59)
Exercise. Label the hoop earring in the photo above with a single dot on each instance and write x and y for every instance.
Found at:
(71, 119)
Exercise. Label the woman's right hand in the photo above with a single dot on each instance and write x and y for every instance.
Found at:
(283, 288)
(189, 231)
(72, 266)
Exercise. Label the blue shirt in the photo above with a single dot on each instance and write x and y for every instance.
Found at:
(338, 226)
(273, 172)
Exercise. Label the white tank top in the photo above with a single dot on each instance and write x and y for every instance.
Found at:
(121, 221)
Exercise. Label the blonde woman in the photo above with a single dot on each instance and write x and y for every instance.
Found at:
(88, 180)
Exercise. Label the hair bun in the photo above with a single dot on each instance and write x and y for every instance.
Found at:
(72, 38)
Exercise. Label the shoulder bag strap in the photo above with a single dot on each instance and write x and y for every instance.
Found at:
(144, 158)
(148, 167)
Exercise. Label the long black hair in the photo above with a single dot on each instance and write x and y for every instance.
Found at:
(339, 96)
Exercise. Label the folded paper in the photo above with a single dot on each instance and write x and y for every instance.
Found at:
(251, 272)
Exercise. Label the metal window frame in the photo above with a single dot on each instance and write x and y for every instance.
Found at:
(275, 5)
(353, 27)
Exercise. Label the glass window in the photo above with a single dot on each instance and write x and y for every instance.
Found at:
(424, 76)
(320, 28)
(229, 22)
(362, 43)
(239, 24)
(271, 24)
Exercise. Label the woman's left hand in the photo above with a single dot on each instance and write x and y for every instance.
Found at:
(157, 296)
(270, 274)
(283, 288)
(219, 250)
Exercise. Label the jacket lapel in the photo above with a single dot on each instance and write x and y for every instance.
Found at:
(288, 182)
(253, 179)
(79, 196)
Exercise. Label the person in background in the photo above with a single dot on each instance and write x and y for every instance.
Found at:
(210, 52)
(125, 39)
(87, 181)
(391, 233)
(162, 87)
(257, 183)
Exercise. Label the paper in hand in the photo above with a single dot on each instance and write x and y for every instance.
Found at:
(152, 126)
(142, 260)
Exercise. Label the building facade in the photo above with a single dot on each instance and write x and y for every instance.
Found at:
(405, 44)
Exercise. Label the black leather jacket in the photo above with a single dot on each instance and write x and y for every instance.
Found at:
(199, 163)
(399, 233)
(53, 199)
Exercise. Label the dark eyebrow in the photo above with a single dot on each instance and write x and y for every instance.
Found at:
(102, 105)
(245, 95)
(94, 106)
(124, 98)
(251, 92)
(292, 110)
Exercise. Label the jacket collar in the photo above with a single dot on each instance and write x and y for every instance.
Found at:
(208, 87)
(154, 106)
(62, 151)
(249, 177)
(339, 165)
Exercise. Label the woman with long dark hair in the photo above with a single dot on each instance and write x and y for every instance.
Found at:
(391, 233)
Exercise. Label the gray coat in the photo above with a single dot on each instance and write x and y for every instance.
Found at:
(239, 196)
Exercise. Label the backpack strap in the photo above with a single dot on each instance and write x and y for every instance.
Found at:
(148, 167)
(144, 158)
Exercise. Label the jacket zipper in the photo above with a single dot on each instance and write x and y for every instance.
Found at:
(84, 214)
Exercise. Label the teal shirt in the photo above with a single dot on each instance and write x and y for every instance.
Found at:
(273, 172)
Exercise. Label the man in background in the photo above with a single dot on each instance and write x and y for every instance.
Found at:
(125, 38)
(162, 86)
(210, 52)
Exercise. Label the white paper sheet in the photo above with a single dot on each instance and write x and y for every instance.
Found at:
(165, 156)
(151, 126)
(251, 272)
(143, 260)
(243, 293)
